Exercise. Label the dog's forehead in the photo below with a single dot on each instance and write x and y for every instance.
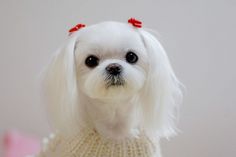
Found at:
(111, 34)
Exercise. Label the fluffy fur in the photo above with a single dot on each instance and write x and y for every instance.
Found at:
(78, 96)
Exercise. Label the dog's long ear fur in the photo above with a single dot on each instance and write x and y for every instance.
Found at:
(162, 91)
(61, 86)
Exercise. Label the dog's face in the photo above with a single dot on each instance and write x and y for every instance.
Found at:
(111, 61)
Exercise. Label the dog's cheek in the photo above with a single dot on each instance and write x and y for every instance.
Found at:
(135, 78)
(93, 84)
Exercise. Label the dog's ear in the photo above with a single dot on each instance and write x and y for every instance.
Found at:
(61, 86)
(161, 93)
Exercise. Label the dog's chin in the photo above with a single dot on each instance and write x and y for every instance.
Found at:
(111, 91)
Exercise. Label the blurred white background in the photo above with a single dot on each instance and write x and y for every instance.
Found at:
(198, 35)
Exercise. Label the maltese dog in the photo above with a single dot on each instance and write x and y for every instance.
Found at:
(111, 92)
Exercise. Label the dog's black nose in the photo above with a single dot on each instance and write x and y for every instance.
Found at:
(114, 69)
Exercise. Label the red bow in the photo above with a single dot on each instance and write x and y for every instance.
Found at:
(76, 28)
(135, 23)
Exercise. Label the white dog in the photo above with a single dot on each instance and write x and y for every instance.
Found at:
(111, 92)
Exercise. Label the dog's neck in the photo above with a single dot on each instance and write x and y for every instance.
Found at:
(113, 119)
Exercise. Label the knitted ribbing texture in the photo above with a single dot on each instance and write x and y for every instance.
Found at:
(88, 143)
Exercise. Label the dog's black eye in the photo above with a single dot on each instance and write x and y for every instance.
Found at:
(92, 61)
(131, 57)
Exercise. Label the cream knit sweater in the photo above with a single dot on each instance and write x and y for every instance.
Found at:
(90, 144)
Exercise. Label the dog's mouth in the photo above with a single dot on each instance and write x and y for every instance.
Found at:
(114, 81)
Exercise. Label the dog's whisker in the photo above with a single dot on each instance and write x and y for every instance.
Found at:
(111, 80)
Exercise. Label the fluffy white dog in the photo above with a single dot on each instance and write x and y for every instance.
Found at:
(110, 87)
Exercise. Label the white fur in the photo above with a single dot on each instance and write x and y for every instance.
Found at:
(77, 95)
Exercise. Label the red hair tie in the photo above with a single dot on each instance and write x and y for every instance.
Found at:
(135, 23)
(76, 28)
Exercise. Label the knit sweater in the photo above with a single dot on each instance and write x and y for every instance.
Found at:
(88, 143)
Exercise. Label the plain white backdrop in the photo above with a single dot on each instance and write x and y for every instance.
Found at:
(198, 35)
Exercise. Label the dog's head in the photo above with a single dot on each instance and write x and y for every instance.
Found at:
(113, 61)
